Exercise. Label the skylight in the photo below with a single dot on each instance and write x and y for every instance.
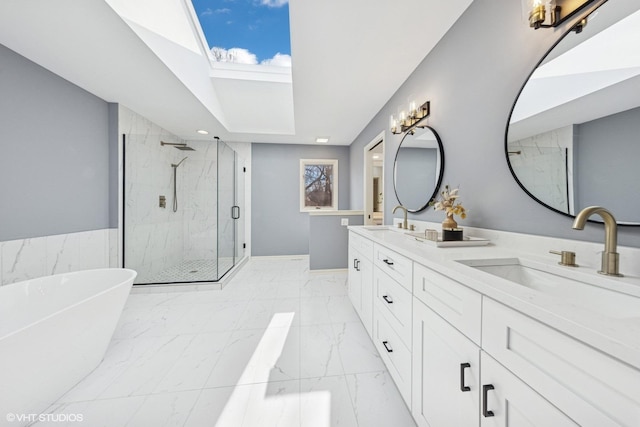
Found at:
(246, 31)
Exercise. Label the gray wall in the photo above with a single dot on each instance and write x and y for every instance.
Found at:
(54, 161)
(329, 240)
(472, 78)
(610, 147)
(277, 225)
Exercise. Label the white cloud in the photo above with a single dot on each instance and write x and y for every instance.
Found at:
(208, 11)
(279, 60)
(243, 56)
(235, 54)
(274, 3)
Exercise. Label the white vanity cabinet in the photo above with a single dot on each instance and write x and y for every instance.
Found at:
(361, 278)
(460, 357)
(446, 372)
(587, 385)
(508, 402)
(392, 315)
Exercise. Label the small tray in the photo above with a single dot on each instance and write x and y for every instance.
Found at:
(467, 241)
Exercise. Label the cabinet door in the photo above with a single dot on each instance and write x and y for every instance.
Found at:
(355, 281)
(366, 294)
(509, 402)
(446, 372)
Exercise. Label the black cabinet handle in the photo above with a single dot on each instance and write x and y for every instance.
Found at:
(463, 366)
(386, 346)
(386, 261)
(355, 263)
(358, 265)
(387, 299)
(485, 389)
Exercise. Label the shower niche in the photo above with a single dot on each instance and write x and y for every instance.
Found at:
(195, 236)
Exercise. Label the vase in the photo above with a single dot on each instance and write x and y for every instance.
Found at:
(449, 223)
(450, 230)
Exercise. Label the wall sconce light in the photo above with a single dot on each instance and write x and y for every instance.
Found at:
(405, 121)
(557, 11)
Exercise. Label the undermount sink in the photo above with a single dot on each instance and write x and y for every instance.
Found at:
(375, 227)
(589, 292)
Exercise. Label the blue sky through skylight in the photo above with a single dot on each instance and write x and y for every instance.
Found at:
(246, 31)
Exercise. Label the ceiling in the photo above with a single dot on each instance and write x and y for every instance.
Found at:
(348, 59)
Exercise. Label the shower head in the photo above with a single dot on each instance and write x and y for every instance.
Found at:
(173, 165)
(179, 146)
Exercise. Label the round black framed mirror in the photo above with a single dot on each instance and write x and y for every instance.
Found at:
(418, 168)
(572, 138)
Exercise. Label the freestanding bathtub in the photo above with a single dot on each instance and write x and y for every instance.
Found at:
(53, 332)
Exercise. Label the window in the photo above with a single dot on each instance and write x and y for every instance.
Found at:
(318, 184)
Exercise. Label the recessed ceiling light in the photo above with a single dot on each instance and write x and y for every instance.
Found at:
(202, 132)
(375, 156)
(323, 140)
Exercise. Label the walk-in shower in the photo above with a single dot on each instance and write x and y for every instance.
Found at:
(199, 238)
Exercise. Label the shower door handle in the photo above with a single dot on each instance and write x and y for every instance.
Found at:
(235, 212)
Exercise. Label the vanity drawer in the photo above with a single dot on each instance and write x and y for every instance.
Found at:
(590, 387)
(395, 355)
(394, 302)
(456, 303)
(394, 264)
(362, 245)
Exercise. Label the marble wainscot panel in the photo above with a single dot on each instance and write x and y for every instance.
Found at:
(25, 259)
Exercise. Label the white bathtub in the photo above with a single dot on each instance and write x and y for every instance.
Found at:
(53, 332)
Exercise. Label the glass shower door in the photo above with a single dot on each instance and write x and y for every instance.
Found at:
(227, 209)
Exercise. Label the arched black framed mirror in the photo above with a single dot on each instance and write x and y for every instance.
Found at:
(573, 135)
(418, 168)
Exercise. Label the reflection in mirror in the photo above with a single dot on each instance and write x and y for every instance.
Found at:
(418, 168)
(573, 135)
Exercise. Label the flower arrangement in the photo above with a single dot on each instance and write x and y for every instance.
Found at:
(447, 203)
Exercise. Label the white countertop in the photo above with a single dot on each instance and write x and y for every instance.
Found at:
(619, 338)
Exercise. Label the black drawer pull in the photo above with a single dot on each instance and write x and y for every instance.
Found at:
(386, 261)
(385, 344)
(485, 389)
(463, 366)
(387, 299)
(355, 263)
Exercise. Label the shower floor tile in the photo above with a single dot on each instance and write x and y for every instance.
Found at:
(279, 346)
(200, 270)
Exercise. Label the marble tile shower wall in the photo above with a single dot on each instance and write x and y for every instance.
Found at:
(153, 235)
(200, 208)
(26, 259)
(158, 238)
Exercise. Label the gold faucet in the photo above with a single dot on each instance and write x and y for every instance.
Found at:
(610, 258)
(404, 223)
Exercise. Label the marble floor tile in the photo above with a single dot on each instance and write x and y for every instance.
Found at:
(278, 346)
(319, 356)
(94, 413)
(357, 352)
(325, 401)
(254, 405)
(341, 310)
(314, 311)
(258, 355)
(377, 402)
(166, 409)
(191, 370)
